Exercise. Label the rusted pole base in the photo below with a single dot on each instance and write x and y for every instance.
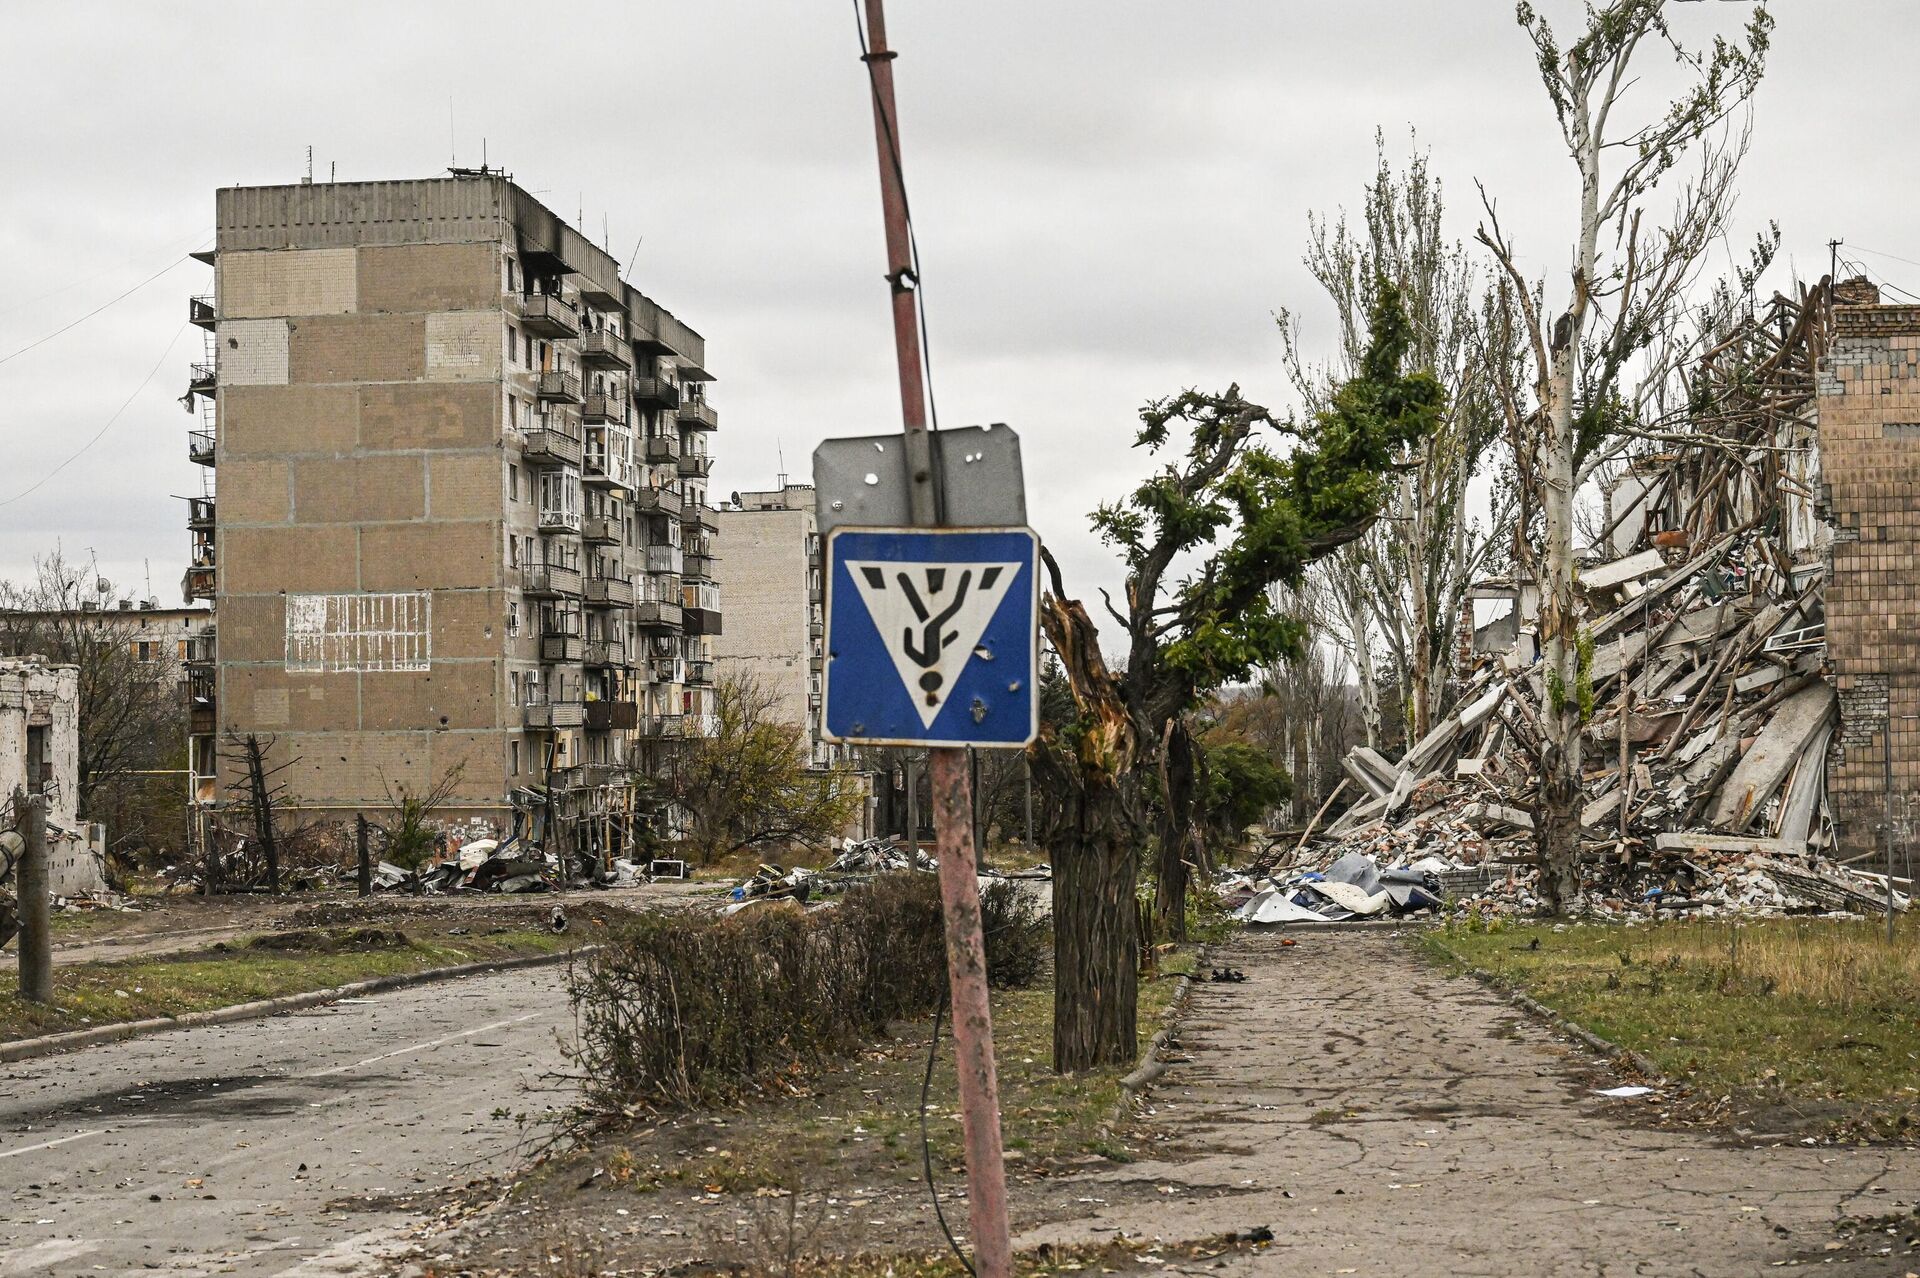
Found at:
(972, 1019)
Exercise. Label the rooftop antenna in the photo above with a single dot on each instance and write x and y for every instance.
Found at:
(146, 566)
(453, 147)
(483, 153)
(606, 237)
(780, 457)
(636, 256)
(309, 177)
(333, 171)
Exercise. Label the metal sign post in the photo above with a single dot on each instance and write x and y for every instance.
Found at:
(947, 765)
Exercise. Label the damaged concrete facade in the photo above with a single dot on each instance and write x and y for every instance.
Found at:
(458, 459)
(40, 753)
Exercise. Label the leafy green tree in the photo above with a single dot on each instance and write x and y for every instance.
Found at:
(1252, 498)
(1241, 786)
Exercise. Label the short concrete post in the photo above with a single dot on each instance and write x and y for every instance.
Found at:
(36, 902)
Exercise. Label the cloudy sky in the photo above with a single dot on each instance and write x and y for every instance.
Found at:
(1111, 198)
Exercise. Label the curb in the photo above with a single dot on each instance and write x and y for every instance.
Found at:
(1621, 1056)
(47, 1044)
(1150, 1069)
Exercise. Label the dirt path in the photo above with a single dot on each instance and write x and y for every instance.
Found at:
(1382, 1118)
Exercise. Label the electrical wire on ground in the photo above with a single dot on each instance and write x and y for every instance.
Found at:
(926, 1145)
(75, 456)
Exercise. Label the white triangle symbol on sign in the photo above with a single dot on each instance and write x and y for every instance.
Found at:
(930, 616)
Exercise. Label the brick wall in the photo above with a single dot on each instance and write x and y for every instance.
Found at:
(1869, 407)
(360, 453)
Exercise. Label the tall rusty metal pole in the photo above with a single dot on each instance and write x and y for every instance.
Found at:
(36, 901)
(947, 767)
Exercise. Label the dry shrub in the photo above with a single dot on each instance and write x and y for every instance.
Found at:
(688, 1009)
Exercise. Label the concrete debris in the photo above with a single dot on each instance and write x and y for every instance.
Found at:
(1705, 784)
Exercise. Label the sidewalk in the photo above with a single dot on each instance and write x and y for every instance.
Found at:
(1382, 1118)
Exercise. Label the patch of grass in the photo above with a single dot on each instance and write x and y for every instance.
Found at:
(90, 994)
(1807, 1016)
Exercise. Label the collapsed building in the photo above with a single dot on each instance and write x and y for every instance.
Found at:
(1753, 602)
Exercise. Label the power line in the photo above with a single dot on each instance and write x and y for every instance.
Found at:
(39, 483)
(1878, 253)
(25, 302)
(95, 311)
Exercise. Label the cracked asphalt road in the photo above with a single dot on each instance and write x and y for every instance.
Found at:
(1384, 1118)
(181, 1153)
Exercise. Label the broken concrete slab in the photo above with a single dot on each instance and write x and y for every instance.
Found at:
(1786, 736)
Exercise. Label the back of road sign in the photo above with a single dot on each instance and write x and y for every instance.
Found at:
(932, 636)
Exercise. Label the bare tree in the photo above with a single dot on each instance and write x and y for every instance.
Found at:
(748, 785)
(1627, 288)
(1393, 597)
(132, 721)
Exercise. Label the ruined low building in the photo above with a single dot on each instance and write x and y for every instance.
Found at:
(40, 753)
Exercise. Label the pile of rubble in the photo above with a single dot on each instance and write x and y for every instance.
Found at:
(1705, 750)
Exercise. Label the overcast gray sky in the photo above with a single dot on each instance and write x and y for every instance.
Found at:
(1111, 198)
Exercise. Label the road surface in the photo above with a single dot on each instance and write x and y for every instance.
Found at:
(293, 1145)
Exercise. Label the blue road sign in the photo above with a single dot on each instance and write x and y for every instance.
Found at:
(932, 636)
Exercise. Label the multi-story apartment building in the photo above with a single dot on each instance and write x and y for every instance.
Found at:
(461, 505)
(770, 556)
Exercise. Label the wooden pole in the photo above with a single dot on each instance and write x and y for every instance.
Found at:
(952, 790)
(365, 876)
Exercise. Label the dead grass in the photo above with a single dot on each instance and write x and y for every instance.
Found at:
(90, 994)
(1811, 1023)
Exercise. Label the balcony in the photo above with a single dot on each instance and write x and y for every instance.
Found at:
(660, 448)
(604, 652)
(545, 315)
(660, 725)
(657, 501)
(555, 714)
(200, 447)
(202, 378)
(558, 519)
(605, 469)
(605, 350)
(599, 530)
(668, 670)
(200, 514)
(546, 447)
(610, 592)
(562, 648)
(656, 614)
(697, 414)
(604, 409)
(700, 725)
(700, 516)
(700, 673)
(201, 719)
(553, 581)
(694, 565)
(695, 465)
(558, 386)
(605, 715)
(656, 390)
(700, 620)
(200, 311)
(665, 559)
(199, 584)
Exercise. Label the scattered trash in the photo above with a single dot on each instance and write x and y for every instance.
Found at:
(1231, 975)
(1623, 1093)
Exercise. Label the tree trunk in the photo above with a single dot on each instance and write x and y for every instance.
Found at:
(1176, 828)
(1096, 941)
(1092, 838)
